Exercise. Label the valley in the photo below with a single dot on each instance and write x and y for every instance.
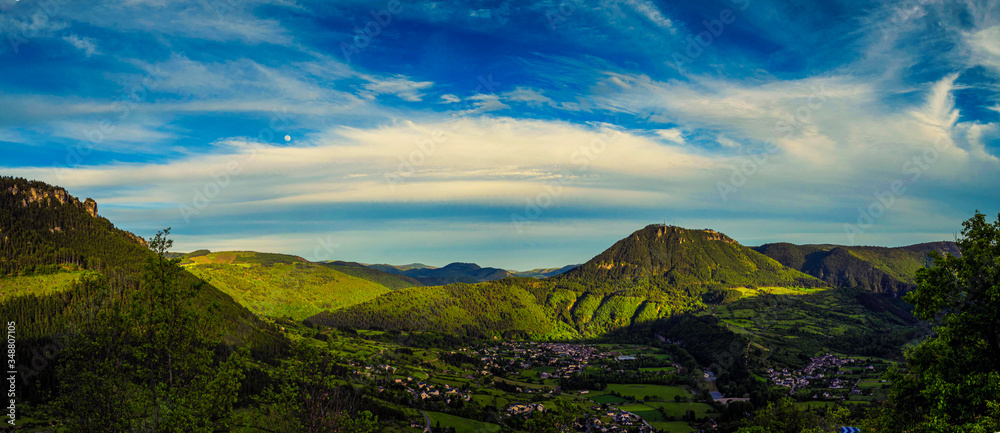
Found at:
(669, 329)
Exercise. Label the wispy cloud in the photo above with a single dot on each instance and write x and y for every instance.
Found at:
(87, 45)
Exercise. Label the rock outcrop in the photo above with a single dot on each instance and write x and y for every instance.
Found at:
(43, 196)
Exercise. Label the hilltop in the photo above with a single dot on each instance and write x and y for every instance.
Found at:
(544, 272)
(678, 257)
(43, 228)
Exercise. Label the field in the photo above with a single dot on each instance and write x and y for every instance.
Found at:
(790, 329)
(673, 426)
(461, 424)
(640, 392)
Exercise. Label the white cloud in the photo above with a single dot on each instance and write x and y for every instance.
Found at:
(984, 47)
(675, 135)
(87, 45)
(649, 10)
(398, 85)
(449, 99)
(527, 95)
(483, 103)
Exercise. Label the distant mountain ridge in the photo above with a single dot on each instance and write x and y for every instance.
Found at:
(452, 273)
(544, 272)
(875, 269)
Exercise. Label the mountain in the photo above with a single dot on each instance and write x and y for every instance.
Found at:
(50, 240)
(543, 272)
(452, 273)
(456, 273)
(399, 269)
(279, 285)
(390, 280)
(654, 273)
(678, 257)
(875, 269)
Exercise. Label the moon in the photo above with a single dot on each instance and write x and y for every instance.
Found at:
(288, 138)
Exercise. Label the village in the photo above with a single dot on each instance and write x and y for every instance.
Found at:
(829, 377)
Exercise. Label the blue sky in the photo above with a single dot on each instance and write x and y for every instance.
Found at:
(511, 134)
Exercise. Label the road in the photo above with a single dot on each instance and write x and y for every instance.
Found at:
(427, 428)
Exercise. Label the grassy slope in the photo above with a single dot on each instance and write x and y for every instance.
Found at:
(39, 285)
(281, 285)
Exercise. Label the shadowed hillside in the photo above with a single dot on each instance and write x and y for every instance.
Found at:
(876, 269)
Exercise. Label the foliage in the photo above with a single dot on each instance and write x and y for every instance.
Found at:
(952, 380)
(145, 365)
(278, 286)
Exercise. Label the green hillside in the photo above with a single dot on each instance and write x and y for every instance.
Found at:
(678, 257)
(877, 269)
(278, 285)
(456, 309)
(655, 273)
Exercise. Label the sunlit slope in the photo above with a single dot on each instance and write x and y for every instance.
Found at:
(281, 285)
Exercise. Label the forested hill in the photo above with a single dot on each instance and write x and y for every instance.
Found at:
(43, 227)
(46, 233)
(452, 273)
(876, 269)
(678, 257)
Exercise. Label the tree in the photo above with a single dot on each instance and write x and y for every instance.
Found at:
(143, 363)
(559, 419)
(952, 380)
